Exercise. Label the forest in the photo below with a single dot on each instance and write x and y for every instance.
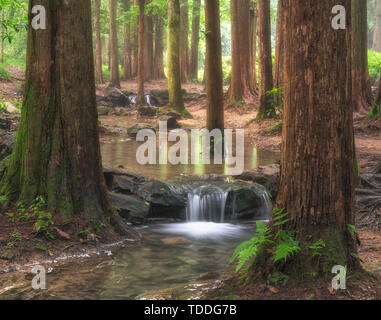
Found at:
(190, 150)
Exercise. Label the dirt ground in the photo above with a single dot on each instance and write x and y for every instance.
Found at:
(368, 143)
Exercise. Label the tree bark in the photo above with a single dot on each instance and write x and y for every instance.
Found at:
(127, 44)
(266, 108)
(134, 44)
(98, 42)
(361, 89)
(141, 66)
(184, 54)
(213, 62)
(377, 28)
(279, 51)
(253, 45)
(114, 81)
(193, 64)
(2, 37)
(57, 152)
(158, 65)
(176, 101)
(317, 177)
(148, 45)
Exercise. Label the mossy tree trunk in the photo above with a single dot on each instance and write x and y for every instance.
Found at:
(184, 50)
(266, 108)
(176, 101)
(141, 66)
(57, 151)
(279, 51)
(114, 57)
(148, 45)
(213, 65)
(317, 162)
(193, 63)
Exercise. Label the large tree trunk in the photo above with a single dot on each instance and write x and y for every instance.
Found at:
(134, 44)
(184, 51)
(240, 85)
(176, 101)
(375, 111)
(377, 28)
(253, 45)
(114, 81)
(2, 37)
(57, 152)
(158, 64)
(127, 45)
(266, 108)
(317, 177)
(148, 45)
(193, 63)
(98, 42)
(141, 66)
(213, 65)
(361, 89)
(279, 50)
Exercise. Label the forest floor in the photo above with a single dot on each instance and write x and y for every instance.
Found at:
(25, 246)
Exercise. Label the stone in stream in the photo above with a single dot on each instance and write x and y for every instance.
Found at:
(130, 207)
(147, 111)
(133, 131)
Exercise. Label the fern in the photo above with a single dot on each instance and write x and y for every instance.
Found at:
(318, 245)
(249, 249)
(286, 247)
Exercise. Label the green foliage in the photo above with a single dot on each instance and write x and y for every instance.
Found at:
(278, 278)
(317, 246)
(275, 98)
(248, 249)
(4, 74)
(374, 62)
(40, 246)
(287, 245)
(276, 128)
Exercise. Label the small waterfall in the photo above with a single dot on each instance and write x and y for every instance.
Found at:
(206, 203)
(267, 205)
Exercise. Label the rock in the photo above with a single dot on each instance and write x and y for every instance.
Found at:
(151, 100)
(116, 97)
(267, 176)
(130, 207)
(6, 145)
(147, 111)
(171, 122)
(133, 131)
(122, 181)
(120, 112)
(172, 114)
(103, 110)
(5, 123)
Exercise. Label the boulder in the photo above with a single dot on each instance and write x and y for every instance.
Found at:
(147, 111)
(172, 114)
(122, 181)
(7, 143)
(131, 208)
(116, 97)
(133, 131)
(171, 122)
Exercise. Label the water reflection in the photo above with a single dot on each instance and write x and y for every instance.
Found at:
(123, 152)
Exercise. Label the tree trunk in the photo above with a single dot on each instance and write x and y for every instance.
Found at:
(266, 108)
(279, 51)
(361, 89)
(317, 178)
(98, 42)
(193, 64)
(127, 45)
(2, 37)
(375, 111)
(158, 65)
(184, 26)
(377, 28)
(141, 66)
(148, 46)
(114, 81)
(253, 45)
(241, 76)
(134, 44)
(213, 63)
(57, 151)
(176, 101)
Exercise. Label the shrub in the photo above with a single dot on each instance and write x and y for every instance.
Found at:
(374, 61)
(4, 74)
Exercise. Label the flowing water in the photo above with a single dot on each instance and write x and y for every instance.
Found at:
(171, 254)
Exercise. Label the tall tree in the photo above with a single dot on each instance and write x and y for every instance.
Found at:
(213, 62)
(240, 84)
(98, 42)
(57, 151)
(253, 22)
(317, 176)
(361, 88)
(141, 66)
(158, 64)
(127, 43)
(184, 51)
(114, 59)
(148, 44)
(279, 51)
(176, 101)
(134, 43)
(193, 63)
(266, 109)
(377, 28)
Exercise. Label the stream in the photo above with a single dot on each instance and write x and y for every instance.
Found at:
(171, 254)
